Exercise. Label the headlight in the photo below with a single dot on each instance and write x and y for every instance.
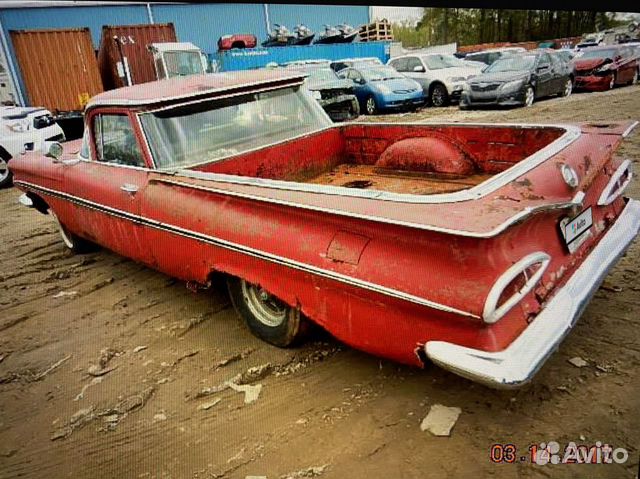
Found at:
(455, 79)
(316, 94)
(16, 127)
(512, 85)
(384, 89)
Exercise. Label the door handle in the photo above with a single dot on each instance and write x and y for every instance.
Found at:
(129, 188)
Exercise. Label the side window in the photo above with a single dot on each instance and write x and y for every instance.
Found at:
(492, 57)
(400, 64)
(116, 141)
(545, 59)
(556, 62)
(160, 68)
(413, 62)
(84, 147)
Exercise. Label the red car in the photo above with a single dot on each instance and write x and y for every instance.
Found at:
(602, 68)
(239, 40)
(473, 246)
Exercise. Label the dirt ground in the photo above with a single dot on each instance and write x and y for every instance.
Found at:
(324, 406)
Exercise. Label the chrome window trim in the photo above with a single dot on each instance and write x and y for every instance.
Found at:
(572, 133)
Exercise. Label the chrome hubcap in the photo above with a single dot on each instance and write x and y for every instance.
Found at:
(437, 97)
(529, 97)
(371, 105)
(266, 308)
(4, 169)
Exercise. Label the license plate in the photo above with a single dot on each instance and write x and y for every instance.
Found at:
(576, 230)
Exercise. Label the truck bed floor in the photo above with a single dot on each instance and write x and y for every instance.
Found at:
(396, 181)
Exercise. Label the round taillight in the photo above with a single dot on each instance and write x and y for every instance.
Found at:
(569, 175)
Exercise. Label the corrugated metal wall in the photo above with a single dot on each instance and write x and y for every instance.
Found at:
(54, 78)
(200, 23)
(203, 23)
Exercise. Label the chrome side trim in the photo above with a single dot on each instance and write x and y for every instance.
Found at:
(613, 190)
(518, 217)
(492, 312)
(572, 133)
(249, 251)
(519, 362)
(628, 131)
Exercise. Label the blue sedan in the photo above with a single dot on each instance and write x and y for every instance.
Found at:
(382, 87)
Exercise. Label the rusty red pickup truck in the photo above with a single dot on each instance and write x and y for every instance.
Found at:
(472, 246)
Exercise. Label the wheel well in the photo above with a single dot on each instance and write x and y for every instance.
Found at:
(38, 203)
(4, 154)
(434, 84)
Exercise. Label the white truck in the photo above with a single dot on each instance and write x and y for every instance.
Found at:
(172, 59)
(24, 129)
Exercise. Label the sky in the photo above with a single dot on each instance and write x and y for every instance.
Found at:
(397, 14)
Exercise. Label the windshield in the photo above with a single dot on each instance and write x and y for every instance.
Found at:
(512, 63)
(182, 63)
(610, 53)
(197, 133)
(438, 62)
(380, 73)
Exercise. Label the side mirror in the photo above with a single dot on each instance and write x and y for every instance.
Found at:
(52, 149)
(418, 69)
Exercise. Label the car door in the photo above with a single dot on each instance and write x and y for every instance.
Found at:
(627, 66)
(359, 85)
(418, 71)
(107, 185)
(559, 74)
(544, 75)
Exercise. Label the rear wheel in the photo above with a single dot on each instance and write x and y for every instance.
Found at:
(568, 87)
(439, 95)
(267, 317)
(529, 96)
(73, 242)
(370, 107)
(6, 177)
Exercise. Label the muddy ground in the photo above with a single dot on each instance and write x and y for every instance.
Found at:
(322, 405)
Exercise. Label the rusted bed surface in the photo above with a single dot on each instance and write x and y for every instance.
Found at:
(396, 181)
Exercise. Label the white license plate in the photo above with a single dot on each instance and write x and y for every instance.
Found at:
(576, 228)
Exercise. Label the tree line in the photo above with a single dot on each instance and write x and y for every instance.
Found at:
(468, 26)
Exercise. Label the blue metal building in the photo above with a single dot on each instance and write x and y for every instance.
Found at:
(199, 23)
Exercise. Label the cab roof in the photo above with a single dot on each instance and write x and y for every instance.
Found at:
(181, 88)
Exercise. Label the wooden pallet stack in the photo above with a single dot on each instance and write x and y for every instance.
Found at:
(376, 31)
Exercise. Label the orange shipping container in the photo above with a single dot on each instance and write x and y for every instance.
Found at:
(133, 40)
(58, 67)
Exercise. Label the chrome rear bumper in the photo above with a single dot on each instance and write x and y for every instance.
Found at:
(519, 362)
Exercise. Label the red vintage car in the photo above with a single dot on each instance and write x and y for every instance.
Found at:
(474, 246)
(602, 68)
(239, 40)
